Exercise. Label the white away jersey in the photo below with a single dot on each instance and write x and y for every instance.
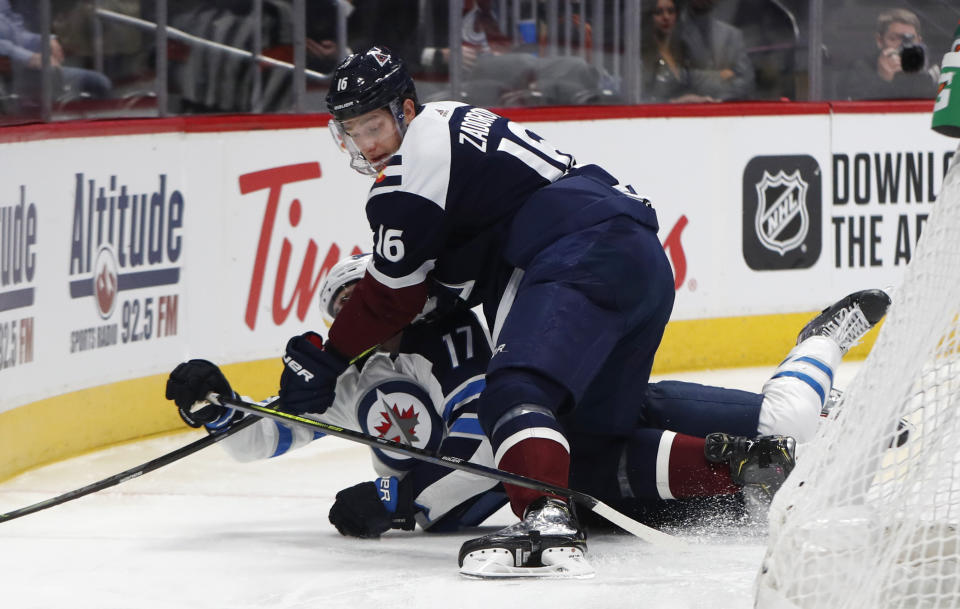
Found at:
(425, 397)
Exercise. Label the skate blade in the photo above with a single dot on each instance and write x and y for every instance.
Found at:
(498, 563)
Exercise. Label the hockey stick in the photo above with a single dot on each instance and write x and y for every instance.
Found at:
(133, 472)
(591, 503)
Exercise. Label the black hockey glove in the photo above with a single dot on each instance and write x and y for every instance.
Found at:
(370, 508)
(310, 372)
(188, 386)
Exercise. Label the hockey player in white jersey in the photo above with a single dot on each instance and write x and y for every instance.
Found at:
(419, 389)
(676, 417)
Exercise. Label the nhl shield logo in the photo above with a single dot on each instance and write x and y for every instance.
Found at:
(782, 212)
(782, 220)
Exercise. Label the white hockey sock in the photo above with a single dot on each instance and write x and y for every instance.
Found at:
(794, 395)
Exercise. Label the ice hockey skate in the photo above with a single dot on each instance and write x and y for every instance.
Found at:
(847, 320)
(759, 465)
(548, 542)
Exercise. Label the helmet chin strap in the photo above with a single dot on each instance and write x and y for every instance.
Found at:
(360, 164)
(396, 109)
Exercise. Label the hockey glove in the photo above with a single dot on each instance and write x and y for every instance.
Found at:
(370, 508)
(188, 386)
(309, 377)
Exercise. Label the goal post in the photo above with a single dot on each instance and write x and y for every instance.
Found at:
(862, 522)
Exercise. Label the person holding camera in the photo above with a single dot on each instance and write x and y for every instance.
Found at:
(898, 70)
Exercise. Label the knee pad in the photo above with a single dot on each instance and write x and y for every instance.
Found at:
(506, 389)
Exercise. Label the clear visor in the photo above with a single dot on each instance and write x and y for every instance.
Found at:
(379, 132)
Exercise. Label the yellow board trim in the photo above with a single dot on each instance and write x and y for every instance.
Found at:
(737, 342)
(79, 422)
(75, 423)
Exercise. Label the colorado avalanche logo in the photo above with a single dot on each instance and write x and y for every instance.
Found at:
(782, 220)
(105, 282)
(402, 412)
(381, 57)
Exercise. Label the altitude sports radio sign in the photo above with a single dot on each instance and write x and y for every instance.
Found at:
(125, 246)
(18, 280)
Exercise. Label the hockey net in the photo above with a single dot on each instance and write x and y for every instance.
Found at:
(863, 522)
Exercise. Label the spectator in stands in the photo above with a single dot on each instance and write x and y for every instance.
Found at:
(126, 51)
(881, 75)
(207, 79)
(498, 74)
(393, 24)
(666, 77)
(771, 32)
(717, 55)
(480, 33)
(323, 54)
(203, 79)
(23, 49)
(664, 61)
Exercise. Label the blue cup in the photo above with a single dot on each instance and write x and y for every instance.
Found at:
(528, 31)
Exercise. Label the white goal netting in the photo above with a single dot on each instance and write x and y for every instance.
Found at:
(863, 522)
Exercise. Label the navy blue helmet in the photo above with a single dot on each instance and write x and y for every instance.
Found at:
(368, 81)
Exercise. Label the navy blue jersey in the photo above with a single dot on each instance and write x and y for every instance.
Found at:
(458, 350)
(457, 347)
(445, 206)
(446, 197)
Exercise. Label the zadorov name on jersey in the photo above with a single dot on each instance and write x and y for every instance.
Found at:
(475, 127)
(142, 228)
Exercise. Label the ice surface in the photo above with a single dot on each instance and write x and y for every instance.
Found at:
(209, 533)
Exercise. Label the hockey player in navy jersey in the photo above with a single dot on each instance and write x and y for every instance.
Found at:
(424, 393)
(563, 258)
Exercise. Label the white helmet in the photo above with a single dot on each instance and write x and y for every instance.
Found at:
(344, 273)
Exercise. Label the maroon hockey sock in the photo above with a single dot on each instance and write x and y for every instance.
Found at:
(539, 458)
(691, 475)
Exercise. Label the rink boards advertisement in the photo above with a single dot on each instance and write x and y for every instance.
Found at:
(140, 253)
(121, 256)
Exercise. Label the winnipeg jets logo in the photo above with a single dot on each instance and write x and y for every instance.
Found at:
(397, 425)
(381, 57)
(403, 412)
(782, 220)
